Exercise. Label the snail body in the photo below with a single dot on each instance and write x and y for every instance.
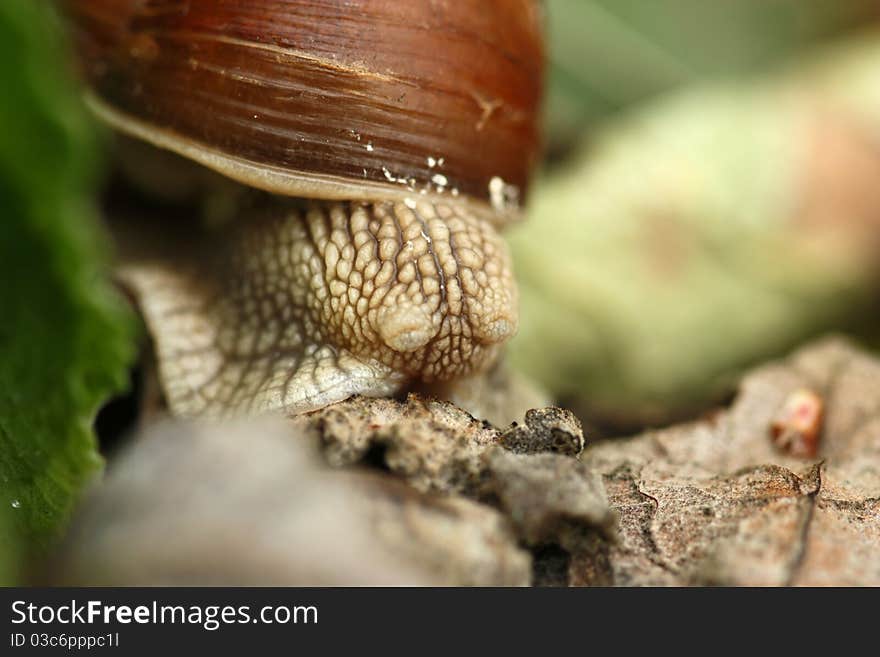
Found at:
(393, 141)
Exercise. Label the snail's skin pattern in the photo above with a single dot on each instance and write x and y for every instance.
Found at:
(298, 308)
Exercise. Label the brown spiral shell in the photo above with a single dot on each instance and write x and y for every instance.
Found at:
(327, 98)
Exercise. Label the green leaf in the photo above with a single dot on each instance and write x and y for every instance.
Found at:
(65, 339)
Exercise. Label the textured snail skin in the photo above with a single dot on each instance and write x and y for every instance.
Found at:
(306, 307)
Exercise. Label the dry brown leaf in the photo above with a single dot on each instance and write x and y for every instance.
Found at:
(714, 502)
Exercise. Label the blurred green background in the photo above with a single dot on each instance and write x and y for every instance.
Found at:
(606, 55)
(707, 200)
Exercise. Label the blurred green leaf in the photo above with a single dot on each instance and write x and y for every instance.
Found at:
(65, 339)
(701, 234)
(606, 55)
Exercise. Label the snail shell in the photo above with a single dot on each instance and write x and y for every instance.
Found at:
(413, 129)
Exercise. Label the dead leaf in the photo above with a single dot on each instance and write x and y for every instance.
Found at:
(713, 502)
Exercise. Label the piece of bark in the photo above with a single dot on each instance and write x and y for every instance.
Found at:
(547, 496)
(435, 446)
(456, 540)
(714, 502)
(529, 471)
(545, 430)
(251, 504)
(551, 500)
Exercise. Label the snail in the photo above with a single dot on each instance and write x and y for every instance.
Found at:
(391, 143)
